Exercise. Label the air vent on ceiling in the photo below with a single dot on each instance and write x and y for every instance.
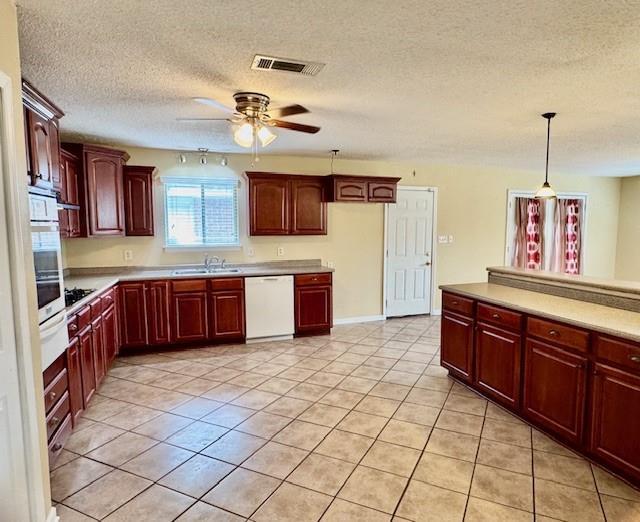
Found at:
(271, 63)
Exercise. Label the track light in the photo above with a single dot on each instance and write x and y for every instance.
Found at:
(224, 161)
(182, 159)
(203, 156)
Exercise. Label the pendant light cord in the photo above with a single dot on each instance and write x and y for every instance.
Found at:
(546, 169)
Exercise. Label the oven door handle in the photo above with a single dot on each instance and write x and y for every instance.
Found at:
(49, 328)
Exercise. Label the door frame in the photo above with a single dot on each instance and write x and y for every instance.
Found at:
(434, 243)
(15, 239)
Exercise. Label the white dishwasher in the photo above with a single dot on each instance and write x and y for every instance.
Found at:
(269, 306)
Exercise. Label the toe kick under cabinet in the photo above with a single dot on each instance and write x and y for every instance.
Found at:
(579, 386)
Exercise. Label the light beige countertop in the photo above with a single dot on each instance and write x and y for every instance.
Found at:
(604, 319)
(102, 279)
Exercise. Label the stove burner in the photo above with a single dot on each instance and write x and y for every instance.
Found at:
(76, 294)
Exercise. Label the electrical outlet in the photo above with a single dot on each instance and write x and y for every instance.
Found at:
(331, 264)
(280, 251)
(251, 252)
(442, 239)
(450, 239)
(127, 254)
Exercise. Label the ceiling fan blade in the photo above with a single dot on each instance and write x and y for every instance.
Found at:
(203, 119)
(289, 110)
(213, 103)
(310, 129)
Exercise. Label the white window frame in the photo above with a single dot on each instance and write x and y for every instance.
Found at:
(201, 248)
(510, 221)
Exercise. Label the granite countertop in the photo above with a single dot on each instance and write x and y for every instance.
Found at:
(604, 319)
(101, 279)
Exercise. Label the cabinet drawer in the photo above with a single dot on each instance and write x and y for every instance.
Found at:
(618, 351)
(560, 334)
(499, 316)
(96, 307)
(57, 415)
(72, 326)
(108, 298)
(350, 190)
(227, 283)
(313, 279)
(191, 285)
(455, 303)
(54, 369)
(55, 390)
(83, 318)
(380, 192)
(60, 437)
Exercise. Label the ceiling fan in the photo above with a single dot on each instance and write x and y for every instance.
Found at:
(254, 118)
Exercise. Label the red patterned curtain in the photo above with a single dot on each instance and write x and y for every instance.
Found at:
(573, 233)
(527, 247)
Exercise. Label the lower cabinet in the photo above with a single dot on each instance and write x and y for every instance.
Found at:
(497, 364)
(98, 350)
(109, 336)
(158, 313)
(615, 419)
(227, 315)
(313, 306)
(555, 382)
(74, 371)
(87, 364)
(189, 311)
(133, 315)
(456, 352)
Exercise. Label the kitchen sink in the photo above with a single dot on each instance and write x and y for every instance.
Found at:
(204, 271)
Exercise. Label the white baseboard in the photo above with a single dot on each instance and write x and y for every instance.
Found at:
(269, 339)
(53, 515)
(436, 311)
(361, 319)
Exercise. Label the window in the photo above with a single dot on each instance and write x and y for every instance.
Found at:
(201, 212)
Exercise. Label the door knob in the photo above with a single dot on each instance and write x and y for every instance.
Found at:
(428, 263)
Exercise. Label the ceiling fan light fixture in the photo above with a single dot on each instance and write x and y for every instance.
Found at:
(266, 136)
(243, 136)
(545, 191)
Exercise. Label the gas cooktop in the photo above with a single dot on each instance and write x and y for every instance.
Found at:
(76, 294)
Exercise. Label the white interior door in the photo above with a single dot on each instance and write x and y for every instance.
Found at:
(409, 252)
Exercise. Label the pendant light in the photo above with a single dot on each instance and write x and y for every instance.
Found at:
(545, 191)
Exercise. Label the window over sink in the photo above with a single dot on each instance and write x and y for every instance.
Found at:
(201, 213)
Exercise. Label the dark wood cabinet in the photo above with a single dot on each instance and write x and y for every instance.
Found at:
(615, 419)
(308, 209)
(268, 205)
(87, 364)
(133, 315)
(109, 335)
(361, 189)
(138, 200)
(98, 350)
(74, 372)
(313, 307)
(456, 352)
(100, 189)
(497, 364)
(158, 312)
(42, 139)
(555, 383)
(227, 315)
(189, 311)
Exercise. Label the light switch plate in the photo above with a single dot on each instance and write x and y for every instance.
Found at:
(450, 239)
(442, 239)
(331, 264)
(251, 252)
(280, 251)
(127, 254)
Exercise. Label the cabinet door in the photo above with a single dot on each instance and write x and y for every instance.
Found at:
(109, 336)
(269, 206)
(98, 350)
(138, 201)
(350, 190)
(189, 317)
(74, 372)
(497, 364)
(308, 208)
(71, 168)
(73, 222)
(554, 389)
(158, 311)
(63, 223)
(227, 315)
(87, 367)
(313, 309)
(104, 194)
(615, 419)
(381, 192)
(133, 315)
(54, 144)
(456, 352)
(40, 150)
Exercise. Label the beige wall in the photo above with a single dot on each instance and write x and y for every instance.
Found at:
(628, 252)
(471, 207)
(10, 65)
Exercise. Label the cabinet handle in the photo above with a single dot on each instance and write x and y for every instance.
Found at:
(553, 333)
(496, 316)
(635, 358)
(73, 327)
(54, 421)
(455, 302)
(56, 447)
(53, 395)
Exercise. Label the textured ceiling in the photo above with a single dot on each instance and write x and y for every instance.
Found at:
(446, 81)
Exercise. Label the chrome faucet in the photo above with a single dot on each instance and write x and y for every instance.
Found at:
(209, 261)
(222, 263)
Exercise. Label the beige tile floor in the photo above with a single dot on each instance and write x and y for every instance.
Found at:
(361, 425)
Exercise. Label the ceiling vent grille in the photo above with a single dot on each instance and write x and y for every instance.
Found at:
(272, 63)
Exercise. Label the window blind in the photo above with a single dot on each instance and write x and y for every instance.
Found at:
(201, 212)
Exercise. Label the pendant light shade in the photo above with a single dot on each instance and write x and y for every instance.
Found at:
(243, 136)
(545, 191)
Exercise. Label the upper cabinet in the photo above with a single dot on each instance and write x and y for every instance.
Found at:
(361, 189)
(281, 204)
(41, 121)
(100, 189)
(138, 200)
